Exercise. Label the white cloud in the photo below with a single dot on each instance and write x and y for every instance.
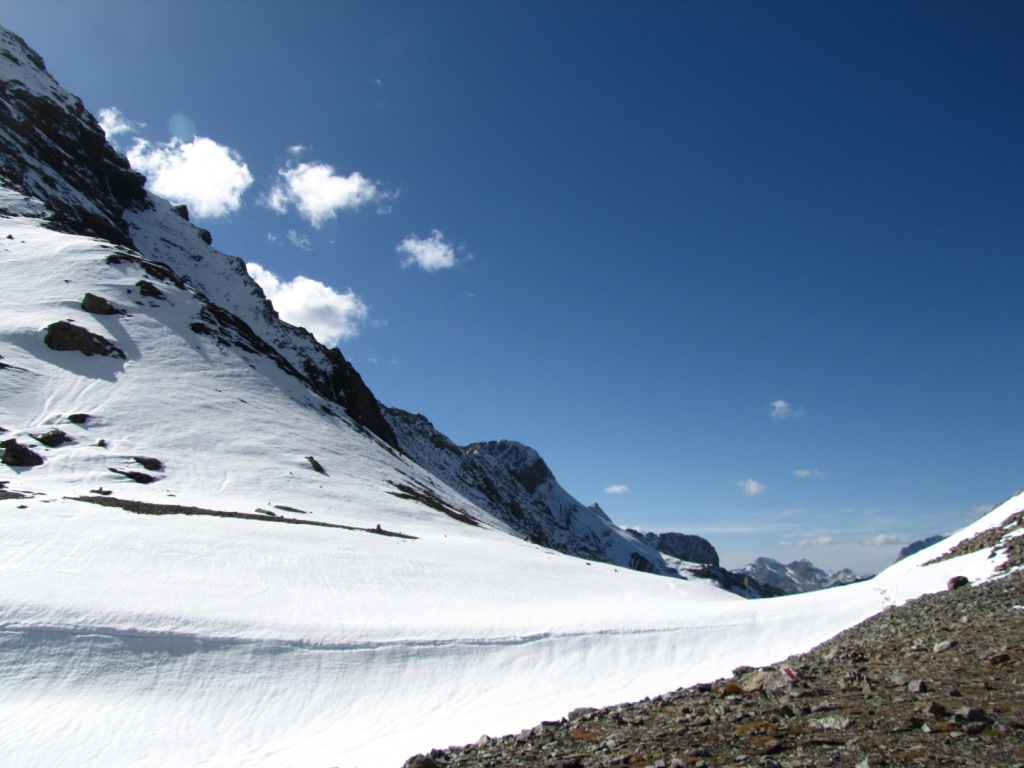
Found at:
(299, 241)
(883, 540)
(751, 487)
(980, 510)
(819, 541)
(209, 177)
(317, 192)
(114, 123)
(430, 253)
(330, 316)
(803, 473)
(618, 488)
(780, 410)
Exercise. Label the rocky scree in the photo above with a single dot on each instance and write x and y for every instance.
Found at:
(935, 682)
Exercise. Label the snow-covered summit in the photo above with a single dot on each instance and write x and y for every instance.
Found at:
(797, 576)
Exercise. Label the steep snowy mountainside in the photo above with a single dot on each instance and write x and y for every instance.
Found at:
(513, 482)
(190, 385)
(54, 151)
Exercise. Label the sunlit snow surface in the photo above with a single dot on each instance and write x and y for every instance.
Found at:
(198, 641)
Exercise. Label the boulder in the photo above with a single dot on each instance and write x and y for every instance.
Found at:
(63, 336)
(17, 455)
(97, 305)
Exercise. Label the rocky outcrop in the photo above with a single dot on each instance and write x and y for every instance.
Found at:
(512, 482)
(97, 305)
(684, 546)
(52, 149)
(17, 455)
(63, 336)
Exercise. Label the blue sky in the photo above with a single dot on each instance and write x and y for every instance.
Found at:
(747, 270)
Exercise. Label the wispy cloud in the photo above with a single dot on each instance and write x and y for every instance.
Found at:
(882, 540)
(330, 316)
(751, 487)
(780, 410)
(804, 473)
(818, 541)
(209, 177)
(980, 510)
(318, 192)
(618, 488)
(299, 241)
(428, 253)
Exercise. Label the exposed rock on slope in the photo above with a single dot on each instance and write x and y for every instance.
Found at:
(692, 549)
(52, 149)
(514, 483)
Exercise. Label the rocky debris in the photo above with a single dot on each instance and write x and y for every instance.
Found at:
(97, 305)
(63, 336)
(934, 682)
(138, 477)
(316, 465)
(18, 455)
(153, 465)
(148, 290)
(53, 439)
(149, 508)
(428, 498)
(79, 418)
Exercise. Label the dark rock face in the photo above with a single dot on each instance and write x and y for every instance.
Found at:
(342, 384)
(54, 150)
(17, 455)
(692, 549)
(524, 464)
(67, 337)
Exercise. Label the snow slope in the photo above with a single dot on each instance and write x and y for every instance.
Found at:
(197, 640)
